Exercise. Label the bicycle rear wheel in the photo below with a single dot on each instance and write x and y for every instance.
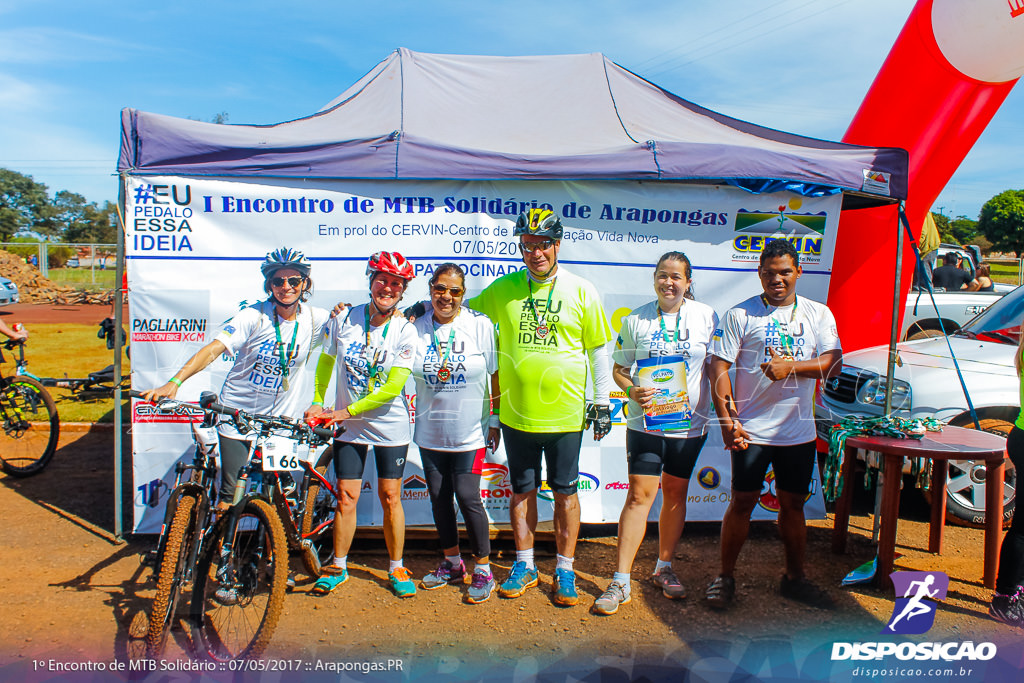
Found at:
(31, 426)
(318, 516)
(171, 574)
(237, 599)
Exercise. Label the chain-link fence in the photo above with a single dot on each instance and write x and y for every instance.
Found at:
(82, 266)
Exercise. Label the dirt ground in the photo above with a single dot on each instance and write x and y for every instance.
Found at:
(72, 593)
(27, 314)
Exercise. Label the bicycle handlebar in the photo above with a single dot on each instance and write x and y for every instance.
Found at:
(207, 401)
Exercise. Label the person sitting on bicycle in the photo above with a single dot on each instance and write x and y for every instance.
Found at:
(375, 351)
(272, 342)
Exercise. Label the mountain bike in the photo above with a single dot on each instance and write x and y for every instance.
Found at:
(242, 571)
(187, 519)
(31, 426)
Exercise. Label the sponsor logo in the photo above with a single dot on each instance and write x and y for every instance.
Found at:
(495, 486)
(768, 499)
(709, 478)
(755, 228)
(616, 486)
(585, 483)
(414, 488)
(168, 329)
(913, 613)
(146, 412)
(661, 376)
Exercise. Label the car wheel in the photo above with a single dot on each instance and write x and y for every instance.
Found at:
(924, 334)
(965, 484)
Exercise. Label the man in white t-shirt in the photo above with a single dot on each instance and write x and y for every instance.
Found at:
(780, 345)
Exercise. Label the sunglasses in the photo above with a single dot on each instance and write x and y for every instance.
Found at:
(293, 281)
(454, 291)
(543, 245)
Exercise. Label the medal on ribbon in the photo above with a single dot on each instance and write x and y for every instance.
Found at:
(444, 373)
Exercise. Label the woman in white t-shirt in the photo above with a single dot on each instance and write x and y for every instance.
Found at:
(659, 361)
(374, 350)
(456, 386)
(271, 342)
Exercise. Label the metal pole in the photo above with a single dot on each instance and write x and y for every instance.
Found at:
(894, 330)
(118, 343)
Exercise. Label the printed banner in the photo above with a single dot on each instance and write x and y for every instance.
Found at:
(194, 246)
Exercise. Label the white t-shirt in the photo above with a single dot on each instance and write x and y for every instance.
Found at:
(641, 337)
(387, 425)
(774, 413)
(453, 415)
(255, 381)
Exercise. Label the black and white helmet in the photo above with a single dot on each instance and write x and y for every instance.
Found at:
(285, 258)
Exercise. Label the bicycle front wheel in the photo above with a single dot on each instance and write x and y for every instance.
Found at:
(31, 426)
(171, 574)
(238, 595)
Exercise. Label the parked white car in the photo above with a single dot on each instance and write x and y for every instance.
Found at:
(926, 385)
(8, 291)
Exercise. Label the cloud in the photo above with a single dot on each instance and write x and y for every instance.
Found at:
(48, 45)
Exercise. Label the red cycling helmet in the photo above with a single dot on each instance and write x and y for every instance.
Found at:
(392, 263)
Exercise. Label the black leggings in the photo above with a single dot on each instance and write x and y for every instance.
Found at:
(456, 475)
(1011, 557)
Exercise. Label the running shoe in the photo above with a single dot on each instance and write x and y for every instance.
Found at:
(519, 579)
(445, 574)
(802, 590)
(401, 582)
(563, 589)
(331, 577)
(480, 589)
(721, 592)
(669, 584)
(1008, 609)
(617, 594)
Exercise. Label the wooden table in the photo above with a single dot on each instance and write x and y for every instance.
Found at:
(952, 443)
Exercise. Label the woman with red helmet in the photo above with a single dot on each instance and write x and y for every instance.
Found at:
(374, 351)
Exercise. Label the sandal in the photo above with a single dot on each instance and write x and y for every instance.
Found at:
(721, 592)
(331, 579)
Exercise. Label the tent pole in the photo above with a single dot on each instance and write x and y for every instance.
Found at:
(118, 344)
(894, 331)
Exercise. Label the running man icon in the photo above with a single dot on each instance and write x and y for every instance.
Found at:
(916, 608)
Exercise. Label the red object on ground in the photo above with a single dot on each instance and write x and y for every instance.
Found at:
(948, 72)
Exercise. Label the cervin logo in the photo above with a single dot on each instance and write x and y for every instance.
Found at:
(915, 611)
(168, 329)
(146, 412)
(585, 483)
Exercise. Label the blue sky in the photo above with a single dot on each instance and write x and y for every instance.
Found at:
(68, 67)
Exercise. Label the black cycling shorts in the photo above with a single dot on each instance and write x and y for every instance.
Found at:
(793, 467)
(350, 460)
(651, 454)
(561, 452)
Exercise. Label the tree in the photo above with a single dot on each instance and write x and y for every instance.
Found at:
(24, 204)
(942, 225)
(1002, 221)
(82, 222)
(963, 229)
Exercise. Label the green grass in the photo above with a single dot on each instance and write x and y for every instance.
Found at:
(82, 278)
(1005, 272)
(59, 350)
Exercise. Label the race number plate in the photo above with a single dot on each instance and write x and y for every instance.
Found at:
(281, 454)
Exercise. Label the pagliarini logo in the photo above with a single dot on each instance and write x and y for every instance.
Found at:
(917, 598)
(915, 612)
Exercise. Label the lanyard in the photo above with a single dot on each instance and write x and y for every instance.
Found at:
(282, 355)
(542, 325)
(444, 373)
(375, 367)
(664, 332)
(785, 338)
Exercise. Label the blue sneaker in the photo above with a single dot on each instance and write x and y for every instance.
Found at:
(563, 590)
(481, 588)
(401, 582)
(519, 579)
(331, 578)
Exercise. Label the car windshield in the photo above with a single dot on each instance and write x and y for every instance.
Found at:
(1000, 322)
